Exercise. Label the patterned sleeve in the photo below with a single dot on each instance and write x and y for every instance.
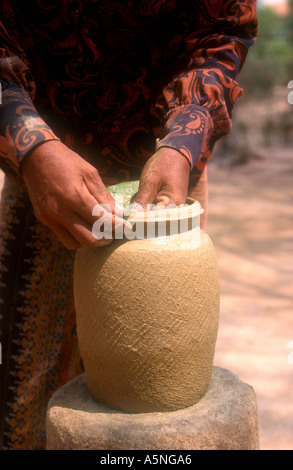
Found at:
(197, 105)
(21, 127)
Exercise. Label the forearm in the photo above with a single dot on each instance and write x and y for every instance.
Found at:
(198, 103)
(21, 127)
(187, 129)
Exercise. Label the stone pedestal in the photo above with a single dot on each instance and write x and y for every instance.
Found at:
(224, 419)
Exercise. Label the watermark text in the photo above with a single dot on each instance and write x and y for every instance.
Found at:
(171, 221)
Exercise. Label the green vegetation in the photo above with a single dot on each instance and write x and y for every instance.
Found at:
(270, 60)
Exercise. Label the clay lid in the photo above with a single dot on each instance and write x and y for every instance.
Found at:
(125, 194)
(190, 209)
(158, 222)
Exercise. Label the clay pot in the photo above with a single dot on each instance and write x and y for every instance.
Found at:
(147, 319)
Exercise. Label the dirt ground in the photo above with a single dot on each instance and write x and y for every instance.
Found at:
(251, 224)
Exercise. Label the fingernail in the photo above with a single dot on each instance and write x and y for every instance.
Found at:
(119, 210)
(136, 207)
(159, 207)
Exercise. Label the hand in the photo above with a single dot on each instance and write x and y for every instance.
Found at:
(64, 189)
(200, 194)
(164, 179)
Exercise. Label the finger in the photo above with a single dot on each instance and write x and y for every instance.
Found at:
(87, 207)
(161, 202)
(65, 237)
(89, 223)
(200, 194)
(102, 232)
(200, 190)
(172, 195)
(84, 205)
(148, 191)
(83, 232)
(109, 226)
(110, 222)
(99, 191)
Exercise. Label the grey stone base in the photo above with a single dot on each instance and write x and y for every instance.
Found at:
(224, 419)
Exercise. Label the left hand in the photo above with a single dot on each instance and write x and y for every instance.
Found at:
(164, 179)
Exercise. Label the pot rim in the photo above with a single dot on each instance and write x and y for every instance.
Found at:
(190, 209)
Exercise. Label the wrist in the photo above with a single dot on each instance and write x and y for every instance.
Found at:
(188, 129)
(171, 153)
(38, 154)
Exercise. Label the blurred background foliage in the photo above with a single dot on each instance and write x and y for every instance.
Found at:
(263, 117)
(270, 60)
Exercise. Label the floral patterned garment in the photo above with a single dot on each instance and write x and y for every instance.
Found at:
(114, 81)
(109, 78)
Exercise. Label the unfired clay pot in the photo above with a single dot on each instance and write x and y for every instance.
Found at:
(147, 320)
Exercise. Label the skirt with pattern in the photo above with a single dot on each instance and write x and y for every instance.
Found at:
(38, 337)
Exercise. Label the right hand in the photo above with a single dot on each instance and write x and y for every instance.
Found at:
(64, 189)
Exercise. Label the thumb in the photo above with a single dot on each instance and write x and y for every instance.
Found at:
(147, 193)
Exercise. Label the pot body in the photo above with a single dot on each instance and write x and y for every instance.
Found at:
(147, 322)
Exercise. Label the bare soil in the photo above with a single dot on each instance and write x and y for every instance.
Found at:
(251, 224)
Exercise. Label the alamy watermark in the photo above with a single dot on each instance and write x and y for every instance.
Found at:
(172, 221)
